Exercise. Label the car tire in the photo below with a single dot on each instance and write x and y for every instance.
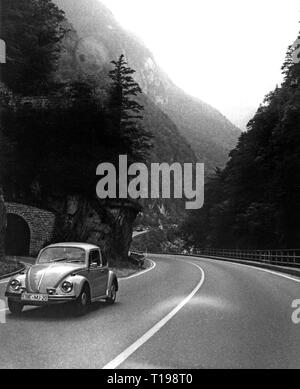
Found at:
(112, 294)
(15, 307)
(82, 302)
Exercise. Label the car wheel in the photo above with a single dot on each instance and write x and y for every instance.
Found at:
(82, 302)
(112, 294)
(15, 307)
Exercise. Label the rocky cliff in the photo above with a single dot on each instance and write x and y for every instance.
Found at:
(108, 223)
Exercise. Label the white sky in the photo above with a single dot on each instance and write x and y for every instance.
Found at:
(226, 52)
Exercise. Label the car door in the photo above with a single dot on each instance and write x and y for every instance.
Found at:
(98, 275)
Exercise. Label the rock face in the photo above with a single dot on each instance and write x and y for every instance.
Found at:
(2, 227)
(106, 224)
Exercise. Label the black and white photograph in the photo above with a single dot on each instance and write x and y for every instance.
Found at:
(149, 187)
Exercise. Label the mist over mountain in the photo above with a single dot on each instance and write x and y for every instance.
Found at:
(179, 122)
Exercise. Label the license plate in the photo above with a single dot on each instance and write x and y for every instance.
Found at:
(35, 297)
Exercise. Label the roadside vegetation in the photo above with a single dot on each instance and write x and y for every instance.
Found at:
(9, 267)
(159, 241)
(254, 203)
(54, 132)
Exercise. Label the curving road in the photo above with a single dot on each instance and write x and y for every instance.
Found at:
(184, 313)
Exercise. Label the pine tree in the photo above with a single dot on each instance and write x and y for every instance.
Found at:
(126, 111)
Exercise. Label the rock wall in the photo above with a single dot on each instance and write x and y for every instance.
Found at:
(108, 224)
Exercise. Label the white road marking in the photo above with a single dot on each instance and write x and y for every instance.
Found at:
(153, 265)
(136, 233)
(143, 339)
(276, 273)
(27, 263)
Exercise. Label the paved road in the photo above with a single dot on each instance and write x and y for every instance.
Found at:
(184, 313)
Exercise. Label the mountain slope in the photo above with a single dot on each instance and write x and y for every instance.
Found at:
(101, 39)
(87, 54)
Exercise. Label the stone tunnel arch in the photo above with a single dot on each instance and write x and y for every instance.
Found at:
(17, 236)
(28, 229)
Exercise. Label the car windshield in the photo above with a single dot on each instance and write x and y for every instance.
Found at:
(62, 254)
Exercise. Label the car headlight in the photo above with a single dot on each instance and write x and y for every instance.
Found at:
(67, 286)
(15, 285)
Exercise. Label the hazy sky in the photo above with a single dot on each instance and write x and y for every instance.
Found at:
(226, 52)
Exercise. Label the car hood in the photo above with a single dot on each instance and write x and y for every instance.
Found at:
(42, 276)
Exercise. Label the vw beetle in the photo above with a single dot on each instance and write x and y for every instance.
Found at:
(64, 272)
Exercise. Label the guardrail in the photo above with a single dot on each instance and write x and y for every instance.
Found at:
(275, 257)
(289, 257)
(137, 258)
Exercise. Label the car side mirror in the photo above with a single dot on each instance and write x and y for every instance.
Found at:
(93, 265)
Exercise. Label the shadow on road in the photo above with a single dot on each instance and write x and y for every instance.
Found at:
(61, 312)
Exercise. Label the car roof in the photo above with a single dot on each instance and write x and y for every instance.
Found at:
(85, 246)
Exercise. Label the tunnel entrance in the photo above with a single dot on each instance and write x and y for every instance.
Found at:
(17, 239)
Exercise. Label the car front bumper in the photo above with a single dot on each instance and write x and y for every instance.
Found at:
(52, 299)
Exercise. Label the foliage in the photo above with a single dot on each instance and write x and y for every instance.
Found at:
(53, 136)
(255, 201)
(32, 30)
(126, 111)
(9, 267)
(57, 146)
(158, 241)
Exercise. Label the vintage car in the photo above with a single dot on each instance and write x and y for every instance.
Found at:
(64, 272)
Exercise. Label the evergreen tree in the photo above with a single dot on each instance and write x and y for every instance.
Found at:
(127, 112)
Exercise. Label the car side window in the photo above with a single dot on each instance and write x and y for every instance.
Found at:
(94, 257)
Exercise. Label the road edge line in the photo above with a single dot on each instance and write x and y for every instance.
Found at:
(152, 267)
(123, 356)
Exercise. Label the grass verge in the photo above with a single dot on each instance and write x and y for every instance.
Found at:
(9, 267)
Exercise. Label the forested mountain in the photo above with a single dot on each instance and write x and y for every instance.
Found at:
(100, 39)
(84, 56)
(47, 61)
(54, 133)
(255, 201)
(77, 48)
